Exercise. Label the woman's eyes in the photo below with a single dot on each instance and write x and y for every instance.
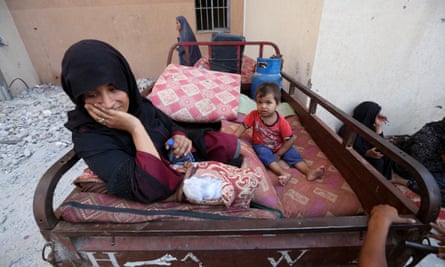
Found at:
(94, 94)
(90, 95)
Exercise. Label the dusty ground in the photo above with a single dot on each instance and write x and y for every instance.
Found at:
(32, 137)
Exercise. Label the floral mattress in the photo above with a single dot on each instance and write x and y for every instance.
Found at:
(329, 196)
(264, 198)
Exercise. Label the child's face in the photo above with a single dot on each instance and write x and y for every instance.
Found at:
(266, 105)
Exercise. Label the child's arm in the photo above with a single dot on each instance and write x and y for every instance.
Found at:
(286, 146)
(238, 132)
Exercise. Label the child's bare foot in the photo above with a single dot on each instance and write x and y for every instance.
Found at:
(314, 174)
(284, 179)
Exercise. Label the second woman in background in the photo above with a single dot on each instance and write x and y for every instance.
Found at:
(368, 113)
(186, 35)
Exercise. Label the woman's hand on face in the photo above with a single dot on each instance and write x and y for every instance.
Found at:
(112, 118)
(182, 145)
(380, 120)
(373, 153)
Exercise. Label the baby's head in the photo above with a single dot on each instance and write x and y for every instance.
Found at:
(269, 88)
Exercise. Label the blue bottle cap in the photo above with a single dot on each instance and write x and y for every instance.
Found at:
(170, 142)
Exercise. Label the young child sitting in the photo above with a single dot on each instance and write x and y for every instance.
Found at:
(272, 136)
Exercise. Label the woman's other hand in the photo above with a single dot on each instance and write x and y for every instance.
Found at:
(181, 146)
(380, 120)
(373, 153)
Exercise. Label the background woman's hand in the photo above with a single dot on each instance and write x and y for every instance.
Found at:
(380, 120)
(373, 153)
(182, 145)
(439, 236)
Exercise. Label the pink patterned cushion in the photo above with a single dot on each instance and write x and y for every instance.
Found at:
(247, 67)
(104, 208)
(265, 194)
(189, 94)
(238, 184)
(330, 196)
(88, 181)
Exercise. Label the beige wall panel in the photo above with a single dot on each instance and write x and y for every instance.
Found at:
(15, 64)
(390, 52)
(143, 30)
(293, 25)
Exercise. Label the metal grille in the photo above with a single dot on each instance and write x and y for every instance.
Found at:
(212, 15)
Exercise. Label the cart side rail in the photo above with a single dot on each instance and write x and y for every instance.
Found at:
(44, 195)
(377, 190)
(261, 45)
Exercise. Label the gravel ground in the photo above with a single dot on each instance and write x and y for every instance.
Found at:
(32, 137)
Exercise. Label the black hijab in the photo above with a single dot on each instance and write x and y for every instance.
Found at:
(365, 112)
(186, 35)
(89, 64)
(110, 153)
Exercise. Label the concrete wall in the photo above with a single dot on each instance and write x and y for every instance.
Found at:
(15, 64)
(391, 52)
(143, 30)
(293, 25)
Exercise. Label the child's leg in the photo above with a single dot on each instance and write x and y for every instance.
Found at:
(283, 176)
(268, 158)
(293, 158)
(311, 174)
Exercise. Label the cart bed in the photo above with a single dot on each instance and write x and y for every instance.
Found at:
(265, 239)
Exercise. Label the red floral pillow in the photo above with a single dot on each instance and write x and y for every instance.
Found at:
(265, 194)
(88, 181)
(329, 196)
(238, 184)
(189, 94)
(247, 67)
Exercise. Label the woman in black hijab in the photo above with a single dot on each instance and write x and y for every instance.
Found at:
(186, 35)
(121, 136)
(368, 113)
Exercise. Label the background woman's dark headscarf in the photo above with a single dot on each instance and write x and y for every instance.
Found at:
(186, 35)
(365, 113)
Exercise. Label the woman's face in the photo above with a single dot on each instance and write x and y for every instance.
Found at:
(178, 26)
(380, 120)
(109, 97)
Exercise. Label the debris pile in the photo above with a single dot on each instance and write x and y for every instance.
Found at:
(32, 121)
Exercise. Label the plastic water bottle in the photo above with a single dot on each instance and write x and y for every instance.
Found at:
(180, 160)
